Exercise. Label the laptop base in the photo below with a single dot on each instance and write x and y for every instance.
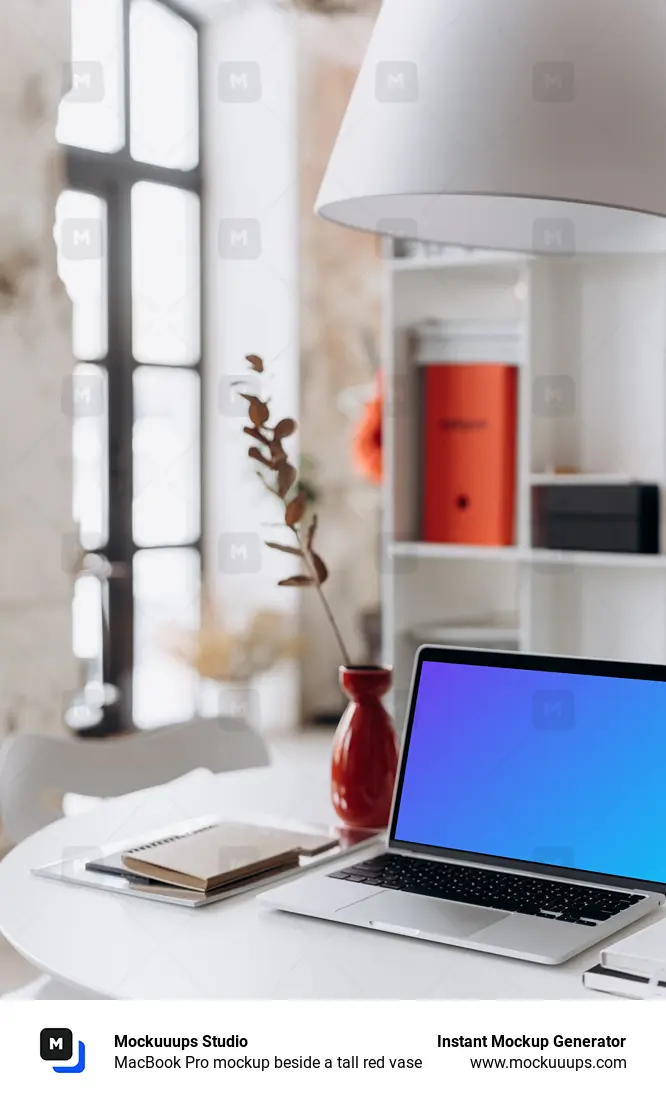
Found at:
(476, 928)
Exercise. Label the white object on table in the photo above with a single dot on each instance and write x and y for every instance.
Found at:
(642, 953)
(625, 985)
(124, 948)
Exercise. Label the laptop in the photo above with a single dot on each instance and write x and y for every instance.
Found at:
(529, 815)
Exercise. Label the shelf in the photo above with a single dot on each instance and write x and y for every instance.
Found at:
(582, 479)
(453, 263)
(524, 555)
(465, 634)
(429, 550)
(593, 558)
(589, 338)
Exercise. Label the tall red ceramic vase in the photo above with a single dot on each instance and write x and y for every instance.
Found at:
(365, 750)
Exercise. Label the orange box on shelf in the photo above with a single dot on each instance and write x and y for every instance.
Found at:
(469, 468)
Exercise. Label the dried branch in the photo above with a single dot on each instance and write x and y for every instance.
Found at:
(258, 409)
(294, 500)
(312, 530)
(217, 651)
(256, 454)
(285, 549)
(256, 434)
(321, 570)
(286, 476)
(284, 428)
(295, 510)
(325, 604)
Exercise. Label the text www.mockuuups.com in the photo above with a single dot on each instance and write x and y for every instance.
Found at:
(542, 1061)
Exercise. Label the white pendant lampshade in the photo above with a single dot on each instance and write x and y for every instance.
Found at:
(528, 125)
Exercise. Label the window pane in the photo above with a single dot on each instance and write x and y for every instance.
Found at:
(165, 274)
(164, 103)
(84, 709)
(166, 456)
(89, 405)
(92, 111)
(87, 633)
(80, 234)
(166, 593)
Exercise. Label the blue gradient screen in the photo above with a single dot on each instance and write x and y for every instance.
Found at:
(550, 767)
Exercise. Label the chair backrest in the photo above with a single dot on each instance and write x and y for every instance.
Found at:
(36, 771)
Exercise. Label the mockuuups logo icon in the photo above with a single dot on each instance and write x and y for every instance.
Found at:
(239, 553)
(83, 82)
(554, 82)
(239, 82)
(397, 82)
(56, 1044)
(553, 710)
(239, 239)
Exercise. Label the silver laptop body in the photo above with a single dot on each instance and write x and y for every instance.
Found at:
(550, 938)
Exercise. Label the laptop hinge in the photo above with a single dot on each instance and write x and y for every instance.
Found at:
(557, 874)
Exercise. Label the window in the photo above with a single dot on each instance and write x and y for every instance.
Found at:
(128, 237)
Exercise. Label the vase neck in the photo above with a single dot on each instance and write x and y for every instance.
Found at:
(368, 698)
(366, 684)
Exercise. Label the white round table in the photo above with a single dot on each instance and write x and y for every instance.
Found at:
(129, 948)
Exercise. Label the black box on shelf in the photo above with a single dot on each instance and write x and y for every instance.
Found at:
(621, 519)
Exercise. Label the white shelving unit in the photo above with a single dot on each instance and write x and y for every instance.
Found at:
(589, 338)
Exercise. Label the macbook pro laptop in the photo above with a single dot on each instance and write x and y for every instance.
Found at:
(529, 816)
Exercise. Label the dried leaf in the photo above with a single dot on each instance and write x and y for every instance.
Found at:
(284, 428)
(286, 549)
(259, 411)
(256, 454)
(256, 434)
(312, 530)
(320, 568)
(277, 451)
(295, 510)
(256, 362)
(286, 478)
(296, 582)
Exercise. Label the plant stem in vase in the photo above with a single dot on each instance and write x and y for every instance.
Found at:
(365, 749)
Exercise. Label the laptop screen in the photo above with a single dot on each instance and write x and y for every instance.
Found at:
(549, 767)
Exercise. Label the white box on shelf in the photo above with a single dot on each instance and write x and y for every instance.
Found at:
(469, 342)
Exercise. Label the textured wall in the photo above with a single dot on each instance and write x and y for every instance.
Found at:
(36, 667)
(340, 298)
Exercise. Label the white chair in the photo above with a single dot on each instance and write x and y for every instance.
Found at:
(37, 772)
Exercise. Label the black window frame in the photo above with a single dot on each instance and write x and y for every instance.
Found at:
(111, 177)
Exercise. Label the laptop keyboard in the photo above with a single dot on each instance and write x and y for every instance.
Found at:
(539, 897)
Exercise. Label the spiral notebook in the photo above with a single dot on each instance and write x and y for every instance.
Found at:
(104, 869)
(217, 855)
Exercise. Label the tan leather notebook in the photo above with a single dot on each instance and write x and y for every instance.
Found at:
(222, 854)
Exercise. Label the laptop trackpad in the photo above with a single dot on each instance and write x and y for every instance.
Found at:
(414, 914)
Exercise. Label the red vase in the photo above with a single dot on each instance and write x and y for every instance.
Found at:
(365, 751)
